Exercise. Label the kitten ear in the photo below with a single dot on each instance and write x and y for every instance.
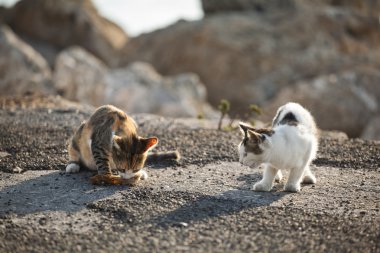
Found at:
(244, 128)
(254, 135)
(148, 143)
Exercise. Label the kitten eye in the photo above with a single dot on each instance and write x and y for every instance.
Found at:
(263, 137)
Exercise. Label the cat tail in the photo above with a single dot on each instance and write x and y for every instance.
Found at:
(164, 156)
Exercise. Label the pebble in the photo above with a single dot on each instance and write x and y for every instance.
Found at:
(17, 170)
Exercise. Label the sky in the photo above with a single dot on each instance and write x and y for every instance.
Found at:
(142, 16)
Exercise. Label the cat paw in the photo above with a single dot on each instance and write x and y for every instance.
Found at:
(143, 175)
(309, 179)
(292, 187)
(72, 168)
(278, 176)
(106, 179)
(262, 187)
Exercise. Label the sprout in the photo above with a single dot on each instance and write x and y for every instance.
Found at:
(224, 108)
(253, 108)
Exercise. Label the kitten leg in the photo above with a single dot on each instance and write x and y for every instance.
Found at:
(74, 156)
(294, 181)
(308, 176)
(101, 147)
(266, 183)
(278, 177)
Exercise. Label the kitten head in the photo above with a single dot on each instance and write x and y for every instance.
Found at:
(129, 153)
(254, 145)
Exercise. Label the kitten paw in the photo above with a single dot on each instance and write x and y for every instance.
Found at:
(262, 187)
(72, 168)
(106, 179)
(309, 179)
(292, 187)
(278, 177)
(143, 175)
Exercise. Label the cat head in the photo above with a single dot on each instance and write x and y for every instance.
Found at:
(254, 145)
(129, 153)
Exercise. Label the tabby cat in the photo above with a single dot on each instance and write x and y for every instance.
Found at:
(108, 142)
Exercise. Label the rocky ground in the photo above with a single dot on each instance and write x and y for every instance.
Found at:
(204, 203)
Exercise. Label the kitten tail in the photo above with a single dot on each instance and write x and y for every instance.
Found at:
(164, 156)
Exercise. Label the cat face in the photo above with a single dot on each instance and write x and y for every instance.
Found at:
(129, 154)
(254, 144)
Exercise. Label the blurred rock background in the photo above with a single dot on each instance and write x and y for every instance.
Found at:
(323, 54)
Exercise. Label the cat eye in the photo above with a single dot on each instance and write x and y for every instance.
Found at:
(263, 137)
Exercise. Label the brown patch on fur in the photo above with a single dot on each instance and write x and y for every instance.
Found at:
(252, 143)
(266, 131)
(114, 180)
(253, 147)
(289, 119)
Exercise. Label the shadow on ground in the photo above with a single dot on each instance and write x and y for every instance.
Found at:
(51, 191)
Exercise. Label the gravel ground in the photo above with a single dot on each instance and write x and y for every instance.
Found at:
(204, 203)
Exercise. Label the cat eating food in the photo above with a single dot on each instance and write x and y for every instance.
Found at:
(291, 143)
(109, 141)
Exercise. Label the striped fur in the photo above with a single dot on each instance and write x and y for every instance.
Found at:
(109, 141)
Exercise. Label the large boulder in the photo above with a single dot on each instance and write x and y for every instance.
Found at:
(366, 7)
(372, 130)
(22, 69)
(79, 76)
(338, 102)
(247, 57)
(214, 6)
(63, 23)
(138, 88)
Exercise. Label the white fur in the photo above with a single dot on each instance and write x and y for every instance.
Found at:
(290, 147)
(72, 168)
(127, 175)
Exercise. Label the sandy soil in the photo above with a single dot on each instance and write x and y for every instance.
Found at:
(204, 203)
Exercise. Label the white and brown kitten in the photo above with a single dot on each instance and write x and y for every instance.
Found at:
(291, 143)
(109, 141)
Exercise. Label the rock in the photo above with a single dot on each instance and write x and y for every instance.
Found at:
(22, 69)
(63, 23)
(214, 6)
(140, 89)
(248, 57)
(338, 102)
(366, 7)
(372, 130)
(79, 76)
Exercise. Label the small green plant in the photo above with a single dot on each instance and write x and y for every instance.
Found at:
(201, 115)
(253, 108)
(252, 112)
(224, 107)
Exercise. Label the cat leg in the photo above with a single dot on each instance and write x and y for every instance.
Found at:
(101, 147)
(73, 165)
(266, 183)
(294, 181)
(308, 176)
(278, 177)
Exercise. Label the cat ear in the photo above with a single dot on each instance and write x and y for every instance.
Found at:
(245, 127)
(148, 143)
(254, 135)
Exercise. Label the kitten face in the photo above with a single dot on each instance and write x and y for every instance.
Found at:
(129, 154)
(254, 144)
